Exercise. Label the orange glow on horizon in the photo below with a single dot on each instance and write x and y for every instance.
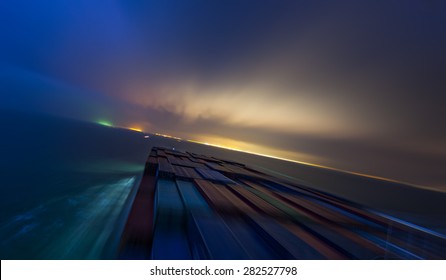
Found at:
(135, 129)
(306, 159)
(252, 148)
(268, 152)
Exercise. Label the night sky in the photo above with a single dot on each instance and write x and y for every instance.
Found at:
(355, 85)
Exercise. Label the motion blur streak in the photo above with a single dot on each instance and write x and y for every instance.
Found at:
(69, 227)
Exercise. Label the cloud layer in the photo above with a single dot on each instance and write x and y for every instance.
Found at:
(350, 84)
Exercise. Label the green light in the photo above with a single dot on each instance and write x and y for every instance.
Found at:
(104, 123)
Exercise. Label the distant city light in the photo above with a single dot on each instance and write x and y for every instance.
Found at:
(167, 136)
(104, 123)
(135, 129)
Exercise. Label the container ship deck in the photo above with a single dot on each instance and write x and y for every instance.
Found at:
(191, 206)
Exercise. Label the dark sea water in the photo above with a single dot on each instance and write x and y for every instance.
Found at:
(66, 186)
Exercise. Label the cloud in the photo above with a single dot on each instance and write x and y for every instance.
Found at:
(343, 82)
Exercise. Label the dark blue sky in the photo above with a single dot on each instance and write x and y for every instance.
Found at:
(358, 85)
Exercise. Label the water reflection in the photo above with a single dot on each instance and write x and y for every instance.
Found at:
(68, 227)
(64, 193)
